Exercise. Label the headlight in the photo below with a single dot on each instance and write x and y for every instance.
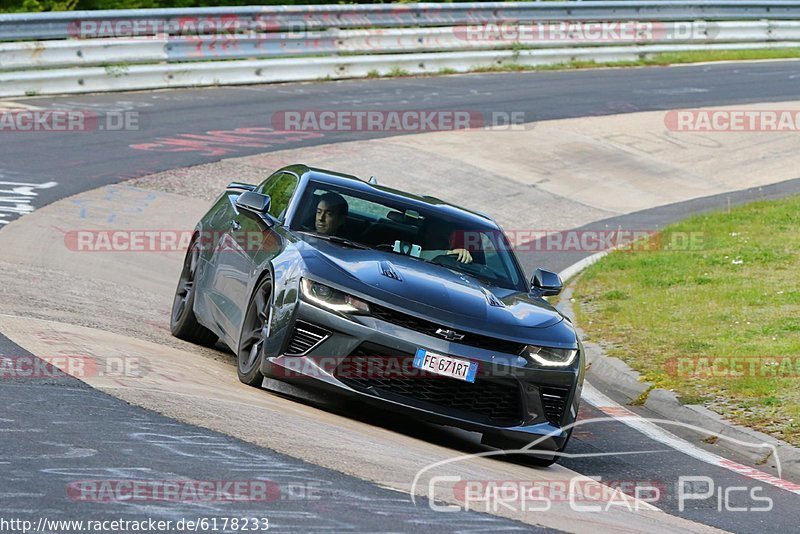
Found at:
(548, 357)
(332, 299)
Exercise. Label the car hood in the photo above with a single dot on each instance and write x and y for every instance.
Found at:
(401, 280)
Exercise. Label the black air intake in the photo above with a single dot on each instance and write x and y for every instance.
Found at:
(306, 336)
(554, 402)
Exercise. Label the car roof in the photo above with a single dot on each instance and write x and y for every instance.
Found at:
(353, 182)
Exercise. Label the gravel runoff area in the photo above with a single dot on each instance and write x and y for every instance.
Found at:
(395, 165)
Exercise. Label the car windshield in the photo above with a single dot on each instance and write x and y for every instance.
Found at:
(394, 226)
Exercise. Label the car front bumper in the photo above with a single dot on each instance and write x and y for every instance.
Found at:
(545, 401)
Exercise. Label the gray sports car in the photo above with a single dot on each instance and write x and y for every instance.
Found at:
(401, 301)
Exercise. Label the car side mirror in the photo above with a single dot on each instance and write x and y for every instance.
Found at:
(546, 283)
(256, 206)
(253, 202)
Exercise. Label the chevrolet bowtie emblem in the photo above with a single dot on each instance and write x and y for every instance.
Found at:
(449, 335)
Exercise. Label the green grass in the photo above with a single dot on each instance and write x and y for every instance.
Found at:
(698, 56)
(672, 312)
(672, 58)
(397, 72)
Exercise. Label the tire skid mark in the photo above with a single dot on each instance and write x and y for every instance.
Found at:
(225, 142)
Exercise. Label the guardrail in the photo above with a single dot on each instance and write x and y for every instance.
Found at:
(73, 52)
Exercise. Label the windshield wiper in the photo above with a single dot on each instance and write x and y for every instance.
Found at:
(481, 279)
(336, 239)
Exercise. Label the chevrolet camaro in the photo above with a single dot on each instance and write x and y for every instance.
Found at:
(401, 301)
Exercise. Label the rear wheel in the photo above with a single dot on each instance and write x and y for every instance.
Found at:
(183, 322)
(254, 332)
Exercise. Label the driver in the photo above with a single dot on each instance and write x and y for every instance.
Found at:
(331, 214)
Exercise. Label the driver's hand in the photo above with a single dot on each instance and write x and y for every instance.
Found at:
(463, 255)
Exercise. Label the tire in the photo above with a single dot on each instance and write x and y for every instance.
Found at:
(530, 459)
(250, 352)
(542, 462)
(525, 458)
(539, 462)
(183, 322)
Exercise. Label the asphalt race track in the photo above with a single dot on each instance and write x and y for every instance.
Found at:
(92, 159)
(61, 430)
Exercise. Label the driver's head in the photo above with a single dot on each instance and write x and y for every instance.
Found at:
(331, 213)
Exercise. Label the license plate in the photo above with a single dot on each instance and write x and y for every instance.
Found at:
(445, 365)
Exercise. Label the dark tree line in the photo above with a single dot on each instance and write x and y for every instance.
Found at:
(20, 6)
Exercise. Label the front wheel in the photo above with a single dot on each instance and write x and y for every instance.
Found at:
(250, 353)
(535, 457)
(547, 461)
(539, 462)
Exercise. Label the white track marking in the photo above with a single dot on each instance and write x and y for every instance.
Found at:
(6, 105)
(613, 409)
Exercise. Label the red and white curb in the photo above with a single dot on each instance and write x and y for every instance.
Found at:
(649, 428)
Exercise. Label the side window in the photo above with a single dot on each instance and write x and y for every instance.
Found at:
(280, 188)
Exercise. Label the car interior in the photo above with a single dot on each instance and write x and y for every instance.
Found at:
(382, 230)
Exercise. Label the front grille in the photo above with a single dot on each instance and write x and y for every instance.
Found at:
(306, 336)
(489, 401)
(428, 327)
(554, 402)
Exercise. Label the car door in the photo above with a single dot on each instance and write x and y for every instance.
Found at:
(246, 245)
(210, 300)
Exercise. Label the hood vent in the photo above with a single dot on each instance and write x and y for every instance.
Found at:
(493, 301)
(387, 270)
